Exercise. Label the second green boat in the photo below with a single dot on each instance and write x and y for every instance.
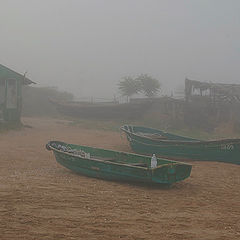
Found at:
(148, 141)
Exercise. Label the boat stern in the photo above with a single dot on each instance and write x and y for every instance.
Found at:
(171, 173)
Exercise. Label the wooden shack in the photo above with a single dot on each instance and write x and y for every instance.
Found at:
(11, 84)
(214, 92)
(210, 104)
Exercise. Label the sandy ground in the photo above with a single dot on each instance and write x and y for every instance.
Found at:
(39, 199)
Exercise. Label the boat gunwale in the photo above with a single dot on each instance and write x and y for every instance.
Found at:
(197, 141)
(123, 164)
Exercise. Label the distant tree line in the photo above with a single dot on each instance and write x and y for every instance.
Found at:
(144, 83)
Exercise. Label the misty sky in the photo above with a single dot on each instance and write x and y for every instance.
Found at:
(87, 46)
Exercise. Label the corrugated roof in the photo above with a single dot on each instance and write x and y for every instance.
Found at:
(7, 73)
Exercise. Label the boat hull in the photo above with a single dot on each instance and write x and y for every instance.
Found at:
(167, 173)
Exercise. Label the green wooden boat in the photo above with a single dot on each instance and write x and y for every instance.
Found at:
(148, 141)
(113, 165)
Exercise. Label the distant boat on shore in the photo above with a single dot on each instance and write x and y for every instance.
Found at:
(102, 110)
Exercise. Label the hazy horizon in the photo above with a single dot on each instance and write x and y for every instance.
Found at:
(86, 47)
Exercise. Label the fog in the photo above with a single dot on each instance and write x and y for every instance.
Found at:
(87, 46)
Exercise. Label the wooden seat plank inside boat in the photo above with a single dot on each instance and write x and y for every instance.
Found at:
(138, 164)
(104, 158)
(153, 136)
